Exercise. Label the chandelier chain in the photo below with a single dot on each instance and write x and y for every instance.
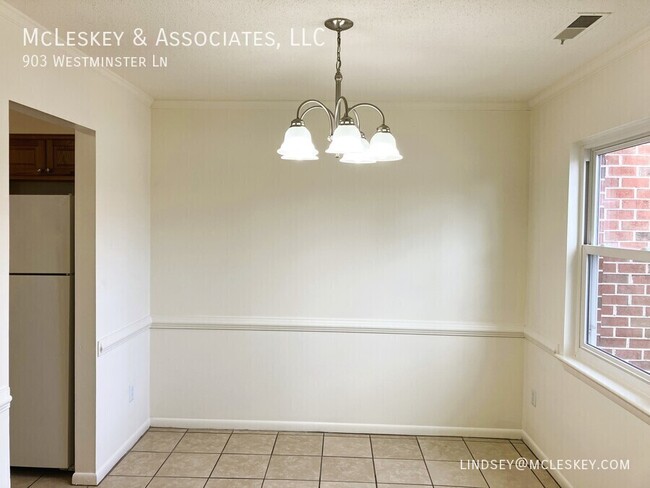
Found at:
(338, 52)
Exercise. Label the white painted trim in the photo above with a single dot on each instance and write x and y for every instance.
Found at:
(291, 105)
(96, 478)
(5, 398)
(336, 427)
(633, 402)
(557, 475)
(541, 342)
(20, 19)
(357, 326)
(591, 67)
(119, 337)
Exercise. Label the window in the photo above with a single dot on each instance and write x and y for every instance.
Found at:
(616, 254)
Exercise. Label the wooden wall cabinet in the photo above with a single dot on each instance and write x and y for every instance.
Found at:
(41, 157)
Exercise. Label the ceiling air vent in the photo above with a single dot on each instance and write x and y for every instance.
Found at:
(579, 25)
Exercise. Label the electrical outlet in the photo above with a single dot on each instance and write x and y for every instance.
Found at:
(131, 393)
(533, 398)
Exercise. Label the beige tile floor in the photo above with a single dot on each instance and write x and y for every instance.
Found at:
(180, 458)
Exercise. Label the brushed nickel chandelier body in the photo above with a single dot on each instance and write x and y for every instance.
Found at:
(347, 141)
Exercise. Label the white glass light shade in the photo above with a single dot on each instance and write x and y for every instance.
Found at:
(383, 147)
(346, 139)
(297, 145)
(364, 157)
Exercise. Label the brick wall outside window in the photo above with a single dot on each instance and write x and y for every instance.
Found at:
(623, 322)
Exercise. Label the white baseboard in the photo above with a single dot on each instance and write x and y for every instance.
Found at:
(557, 475)
(94, 479)
(335, 427)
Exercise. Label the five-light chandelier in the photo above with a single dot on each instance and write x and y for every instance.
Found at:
(347, 141)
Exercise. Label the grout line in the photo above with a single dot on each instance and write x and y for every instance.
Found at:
(219, 457)
(168, 455)
(524, 456)
(372, 456)
(322, 455)
(417, 440)
(275, 441)
(480, 470)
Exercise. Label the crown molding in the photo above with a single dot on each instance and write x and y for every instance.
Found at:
(608, 57)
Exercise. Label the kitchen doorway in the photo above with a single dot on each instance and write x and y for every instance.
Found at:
(52, 290)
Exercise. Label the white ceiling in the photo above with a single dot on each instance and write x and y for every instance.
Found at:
(433, 50)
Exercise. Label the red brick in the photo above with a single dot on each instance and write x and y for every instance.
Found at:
(644, 365)
(643, 171)
(632, 245)
(610, 182)
(635, 182)
(608, 342)
(646, 354)
(639, 322)
(643, 148)
(617, 300)
(643, 215)
(605, 289)
(641, 279)
(628, 354)
(616, 321)
(643, 193)
(607, 310)
(635, 160)
(607, 350)
(632, 268)
(639, 343)
(637, 300)
(608, 267)
(614, 278)
(627, 150)
(630, 311)
(621, 171)
(619, 193)
(610, 203)
(606, 331)
(638, 204)
(613, 159)
(620, 214)
(630, 289)
(629, 332)
(635, 225)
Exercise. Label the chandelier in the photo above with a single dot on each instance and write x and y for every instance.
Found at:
(347, 141)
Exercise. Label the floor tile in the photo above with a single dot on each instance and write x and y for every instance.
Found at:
(347, 446)
(233, 483)
(404, 471)
(493, 450)
(211, 431)
(140, 464)
(166, 429)
(202, 442)
(299, 445)
(450, 473)
(444, 449)
(294, 468)
(388, 485)
(395, 448)
(544, 476)
(511, 478)
(486, 439)
(188, 465)
(177, 483)
(250, 444)
(24, 477)
(158, 441)
(346, 484)
(347, 469)
(53, 479)
(289, 484)
(241, 466)
(124, 482)
(263, 432)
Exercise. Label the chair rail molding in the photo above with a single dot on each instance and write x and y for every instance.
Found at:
(123, 335)
(337, 325)
(5, 398)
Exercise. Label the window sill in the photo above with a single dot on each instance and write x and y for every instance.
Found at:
(633, 402)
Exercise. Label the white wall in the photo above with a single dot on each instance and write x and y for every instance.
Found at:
(572, 420)
(120, 118)
(243, 239)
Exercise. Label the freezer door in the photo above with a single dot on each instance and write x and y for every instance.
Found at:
(40, 234)
(40, 371)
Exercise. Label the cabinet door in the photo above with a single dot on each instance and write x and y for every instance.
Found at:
(26, 156)
(60, 156)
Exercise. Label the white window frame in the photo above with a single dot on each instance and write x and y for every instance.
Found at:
(588, 353)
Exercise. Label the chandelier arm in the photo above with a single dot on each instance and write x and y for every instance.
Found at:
(340, 100)
(365, 104)
(356, 117)
(318, 104)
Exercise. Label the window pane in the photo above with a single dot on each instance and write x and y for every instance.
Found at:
(622, 310)
(624, 198)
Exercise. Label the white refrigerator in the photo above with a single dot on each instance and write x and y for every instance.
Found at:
(41, 330)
